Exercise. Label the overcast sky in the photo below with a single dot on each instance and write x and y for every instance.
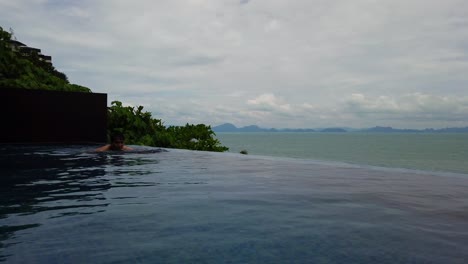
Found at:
(273, 63)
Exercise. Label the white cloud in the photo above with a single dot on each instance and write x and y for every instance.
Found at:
(304, 63)
(415, 103)
(269, 102)
(418, 109)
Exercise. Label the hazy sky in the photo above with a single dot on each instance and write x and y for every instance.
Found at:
(274, 63)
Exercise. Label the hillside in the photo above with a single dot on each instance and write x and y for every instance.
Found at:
(227, 127)
(27, 68)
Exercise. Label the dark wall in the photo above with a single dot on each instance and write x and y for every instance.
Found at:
(39, 116)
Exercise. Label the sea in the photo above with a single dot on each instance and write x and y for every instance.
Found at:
(294, 198)
(442, 152)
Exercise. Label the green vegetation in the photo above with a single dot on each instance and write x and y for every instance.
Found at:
(140, 128)
(29, 72)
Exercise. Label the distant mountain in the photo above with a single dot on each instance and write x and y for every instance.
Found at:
(227, 127)
(303, 130)
(252, 128)
(452, 130)
(333, 130)
(379, 129)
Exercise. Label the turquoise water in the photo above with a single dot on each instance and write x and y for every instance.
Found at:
(68, 205)
(431, 152)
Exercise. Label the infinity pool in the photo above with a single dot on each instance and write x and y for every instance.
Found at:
(69, 205)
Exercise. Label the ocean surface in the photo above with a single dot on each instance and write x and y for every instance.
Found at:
(419, 151)
(67, 204)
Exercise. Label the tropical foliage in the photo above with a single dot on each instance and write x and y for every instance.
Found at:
(141, 128)
(29, 72)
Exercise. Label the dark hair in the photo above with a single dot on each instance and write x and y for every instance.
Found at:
(117, 136)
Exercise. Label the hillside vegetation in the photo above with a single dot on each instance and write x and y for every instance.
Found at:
(29, 72)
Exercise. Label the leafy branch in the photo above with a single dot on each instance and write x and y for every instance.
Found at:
(140, 128)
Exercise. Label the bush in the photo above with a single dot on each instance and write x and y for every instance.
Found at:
(139, 128)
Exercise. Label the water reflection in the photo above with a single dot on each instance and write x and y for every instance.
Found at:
(70, 206)
(7, 232)
(57, 182)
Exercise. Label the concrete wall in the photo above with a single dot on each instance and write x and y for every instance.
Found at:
(39, 116)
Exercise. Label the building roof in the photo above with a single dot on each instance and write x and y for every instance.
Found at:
(16, 43)
(30, 49)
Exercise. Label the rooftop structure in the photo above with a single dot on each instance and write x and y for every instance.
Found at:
(27, 51)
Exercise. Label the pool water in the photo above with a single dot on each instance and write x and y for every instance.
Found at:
(70, 205)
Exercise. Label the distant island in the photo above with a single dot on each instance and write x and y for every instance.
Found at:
(228, 127)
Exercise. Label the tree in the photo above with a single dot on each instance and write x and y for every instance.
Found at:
(30, 72)
(141, 128)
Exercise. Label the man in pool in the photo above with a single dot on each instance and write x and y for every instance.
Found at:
(117, 144)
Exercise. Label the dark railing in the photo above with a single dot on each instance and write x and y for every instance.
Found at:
(40, 116)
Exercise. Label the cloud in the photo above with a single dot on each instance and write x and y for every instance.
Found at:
(269, 102)
(415, 108)
(304, 63)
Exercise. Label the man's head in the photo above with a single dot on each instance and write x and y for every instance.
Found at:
(117, 142)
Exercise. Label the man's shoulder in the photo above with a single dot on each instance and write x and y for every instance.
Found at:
(103, 148)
